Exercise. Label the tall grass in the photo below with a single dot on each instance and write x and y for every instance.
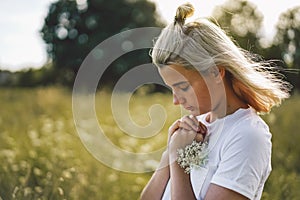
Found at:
(42, 156)
(284, 122)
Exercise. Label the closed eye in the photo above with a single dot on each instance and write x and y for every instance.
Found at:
(184, 86)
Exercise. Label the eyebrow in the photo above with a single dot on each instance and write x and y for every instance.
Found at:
(179, 83)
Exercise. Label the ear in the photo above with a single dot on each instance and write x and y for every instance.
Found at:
(222, 72)
(218, 73)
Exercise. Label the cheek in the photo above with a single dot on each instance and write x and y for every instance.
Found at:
(201, 94)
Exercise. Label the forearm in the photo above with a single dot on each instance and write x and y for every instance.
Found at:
(181, 187)
(155, 188)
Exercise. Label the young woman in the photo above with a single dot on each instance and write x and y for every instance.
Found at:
(224, 90)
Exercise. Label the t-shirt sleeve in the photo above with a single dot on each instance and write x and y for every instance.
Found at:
(245, 158)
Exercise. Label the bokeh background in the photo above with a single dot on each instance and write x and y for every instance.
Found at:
(42, 45)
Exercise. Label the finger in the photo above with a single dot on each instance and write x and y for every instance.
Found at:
(202, 128)
(191, 121)
(174, 127)
(192, 117)
(186, 136)
(186, 126)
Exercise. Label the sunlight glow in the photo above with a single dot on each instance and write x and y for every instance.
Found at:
(22, 46)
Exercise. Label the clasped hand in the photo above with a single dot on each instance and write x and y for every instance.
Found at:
(183, 131)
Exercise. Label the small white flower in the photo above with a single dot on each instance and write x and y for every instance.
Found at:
(193, 155)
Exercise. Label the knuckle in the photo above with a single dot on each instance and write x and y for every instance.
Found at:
(174, 125)
(176, 122)
(185, 117)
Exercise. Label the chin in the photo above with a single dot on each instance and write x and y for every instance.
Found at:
(199, 111)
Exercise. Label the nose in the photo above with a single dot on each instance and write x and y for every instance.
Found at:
(177, 100)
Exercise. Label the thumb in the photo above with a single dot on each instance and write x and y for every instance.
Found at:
(199, 137)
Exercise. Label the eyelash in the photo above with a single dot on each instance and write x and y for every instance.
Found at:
(184, 88)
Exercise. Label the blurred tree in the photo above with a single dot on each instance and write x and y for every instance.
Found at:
(243, 21)
(6, 78)
(287, 39)
(34, 77)
(73, 28)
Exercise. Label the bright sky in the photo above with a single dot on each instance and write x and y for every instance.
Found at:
(20, 20)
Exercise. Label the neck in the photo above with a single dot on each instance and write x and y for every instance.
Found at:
(232, 104)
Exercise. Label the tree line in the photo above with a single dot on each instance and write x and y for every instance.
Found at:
(73, 28)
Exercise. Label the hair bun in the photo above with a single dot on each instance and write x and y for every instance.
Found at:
(183, 11)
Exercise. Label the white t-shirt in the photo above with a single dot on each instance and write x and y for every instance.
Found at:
(239, 157)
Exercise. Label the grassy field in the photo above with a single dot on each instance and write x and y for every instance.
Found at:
(42, 156)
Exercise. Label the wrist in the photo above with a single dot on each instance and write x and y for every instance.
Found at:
(172, 156)
(164, 161)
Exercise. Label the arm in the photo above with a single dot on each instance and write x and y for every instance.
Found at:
(155, 188)
(181, 187)
(184, 134)
(216, 192)
(157, 184)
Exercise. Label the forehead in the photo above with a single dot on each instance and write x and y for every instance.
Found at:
(172, 74)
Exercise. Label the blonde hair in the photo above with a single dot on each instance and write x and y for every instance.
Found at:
(202, 44)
